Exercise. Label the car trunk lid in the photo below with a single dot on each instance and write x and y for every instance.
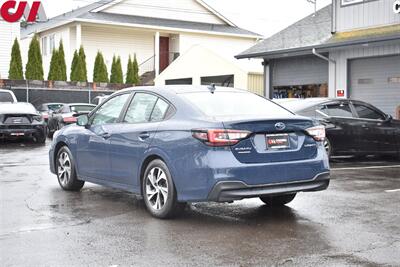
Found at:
(273, 140)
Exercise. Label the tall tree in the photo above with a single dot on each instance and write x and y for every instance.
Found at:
(74, 66)
(83, 71)
(100, 74)
(55, 70)
(130, 72)
(136, 76)
(61, 62)
(15, 72)
(34, 66)
(114, 70)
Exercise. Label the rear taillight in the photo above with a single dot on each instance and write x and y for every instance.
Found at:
(220, 137)
(70, 119)
(317, 132)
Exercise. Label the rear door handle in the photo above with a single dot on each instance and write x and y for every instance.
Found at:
(143, 136)
(106, 135)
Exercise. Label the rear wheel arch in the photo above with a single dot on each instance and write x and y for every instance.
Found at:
(144, 165)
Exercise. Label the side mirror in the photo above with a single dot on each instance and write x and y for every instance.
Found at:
(83, 120)
(388, 118)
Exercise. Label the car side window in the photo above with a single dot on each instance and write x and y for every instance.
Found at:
(368, 113)
(110, 111)
(141, 108)
(338, 110)
(159, 111)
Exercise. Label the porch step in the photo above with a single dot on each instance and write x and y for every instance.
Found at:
(147, 78)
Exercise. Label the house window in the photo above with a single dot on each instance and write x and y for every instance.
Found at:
(179, 81)
(52, 43)
(224, 80)
(44, 46)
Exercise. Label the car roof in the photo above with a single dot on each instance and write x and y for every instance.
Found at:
(180, 89)
(17, 108)
(80, 104)
(296, 104)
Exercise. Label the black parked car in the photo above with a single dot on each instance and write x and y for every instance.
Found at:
(65, 115)
(47, 108)
(352, 127)
(19, 120)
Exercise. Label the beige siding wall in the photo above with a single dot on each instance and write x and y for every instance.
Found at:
(186, 10)
(256, 83)
(119, 41)
(366, 15)
(8, 32)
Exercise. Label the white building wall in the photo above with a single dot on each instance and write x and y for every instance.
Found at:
(185, 10)
(365, 15)
(200, 62)
(62, 33)
(340, 80)
(116, 41)
(8, 32)
(221, 45)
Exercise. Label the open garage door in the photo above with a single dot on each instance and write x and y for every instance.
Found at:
(377, 81)
(300, 77)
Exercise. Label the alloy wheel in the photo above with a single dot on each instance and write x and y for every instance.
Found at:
(64, 168)
(157, 188)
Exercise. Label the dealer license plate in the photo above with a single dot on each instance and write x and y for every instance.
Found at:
(277, 141)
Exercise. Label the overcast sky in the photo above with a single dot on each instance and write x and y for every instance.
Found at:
(262, 16)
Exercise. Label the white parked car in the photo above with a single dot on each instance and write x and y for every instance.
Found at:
(7, 96)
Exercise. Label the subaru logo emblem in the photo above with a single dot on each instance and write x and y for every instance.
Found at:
(280, 126)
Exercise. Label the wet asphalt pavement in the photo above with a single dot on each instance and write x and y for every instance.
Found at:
(356, 222)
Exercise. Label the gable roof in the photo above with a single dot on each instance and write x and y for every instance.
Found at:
(201, 2)
(315, 32)
(93, 13)
(308, 32)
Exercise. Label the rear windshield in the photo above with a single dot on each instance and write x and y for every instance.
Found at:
(234, 104)
(6, 97)
(80, 109)
(54, 107)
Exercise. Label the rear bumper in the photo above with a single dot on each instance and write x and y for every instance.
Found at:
(236, 190)
(21, 131)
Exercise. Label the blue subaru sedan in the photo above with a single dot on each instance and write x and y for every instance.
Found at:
(174, 145)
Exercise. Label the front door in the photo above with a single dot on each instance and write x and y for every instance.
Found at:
(378, 133)
(164, 53)
(93, 147)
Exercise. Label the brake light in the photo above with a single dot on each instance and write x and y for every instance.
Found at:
(220, 137)
(70, 119)
(317, 132)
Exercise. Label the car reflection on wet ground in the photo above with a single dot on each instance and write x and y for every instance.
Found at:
(354, 222)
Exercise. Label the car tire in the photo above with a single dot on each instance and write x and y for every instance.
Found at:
(278, 201)
(40, 138)
(159, 192)
(49, 133)
(66, 171)
(328, 147)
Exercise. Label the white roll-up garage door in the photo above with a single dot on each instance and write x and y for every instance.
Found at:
(377, 81)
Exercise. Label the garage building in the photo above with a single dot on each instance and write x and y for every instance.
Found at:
(349, 49)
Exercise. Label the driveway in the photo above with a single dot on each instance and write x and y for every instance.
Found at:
(355, 222)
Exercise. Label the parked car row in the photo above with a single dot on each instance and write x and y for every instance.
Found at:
(23, 120)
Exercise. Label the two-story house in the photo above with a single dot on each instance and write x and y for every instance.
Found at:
(348, 49)
(157, 31)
